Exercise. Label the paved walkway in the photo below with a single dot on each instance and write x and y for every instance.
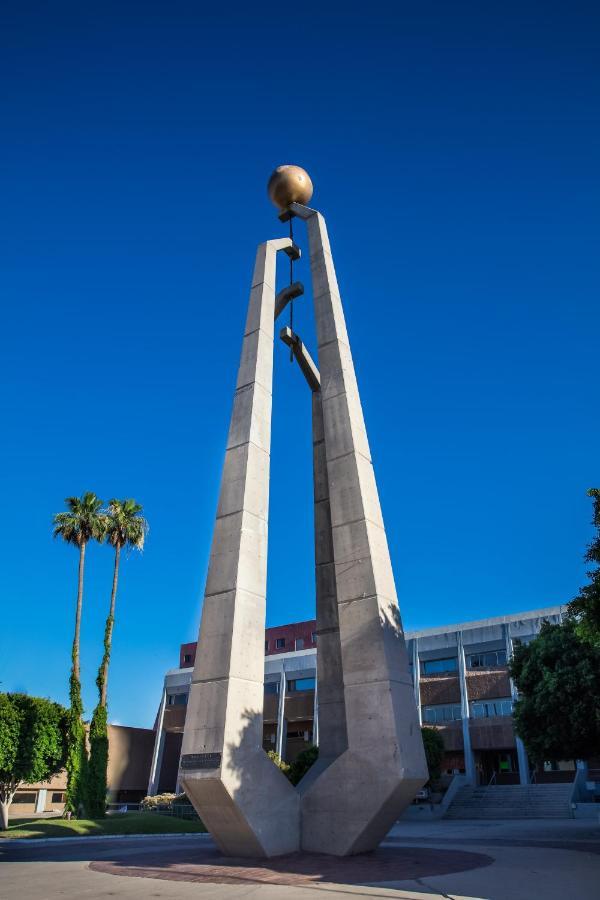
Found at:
(545, 859)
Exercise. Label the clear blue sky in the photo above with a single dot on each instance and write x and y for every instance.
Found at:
(454, 150)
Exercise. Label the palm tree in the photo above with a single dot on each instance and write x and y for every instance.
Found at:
(83, 522)
(124, 527)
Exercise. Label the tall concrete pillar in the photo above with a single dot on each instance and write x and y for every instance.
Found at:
(157, 753)
(522, 760)
(417, 677)
(465, 711)
(371, 760)
(248, 805)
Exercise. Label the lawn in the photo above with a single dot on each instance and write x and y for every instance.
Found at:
(121, 823)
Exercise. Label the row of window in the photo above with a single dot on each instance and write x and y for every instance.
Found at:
(296, 684)
(473, 661)
(30, 797)
(282, 643)
(479, 709)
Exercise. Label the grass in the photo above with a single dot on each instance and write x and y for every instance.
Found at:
(121, 823)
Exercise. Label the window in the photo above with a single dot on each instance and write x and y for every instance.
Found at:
(22, 797)
(271, 687)
(483, 709)
(301, 684)
(266, 646)
(279, 643)
(433, 666)
(187, 658)
(437, 715)
(299, 644)
(58, 797)
(177, 700)
(313, 637)
(484, 660)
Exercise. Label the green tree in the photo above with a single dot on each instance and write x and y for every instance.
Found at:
(33, 744)
(80, 524)
(433, 744)
(585, 608)
(558, 679)
(125, 527)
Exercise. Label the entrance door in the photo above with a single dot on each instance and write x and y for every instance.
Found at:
(499, 766)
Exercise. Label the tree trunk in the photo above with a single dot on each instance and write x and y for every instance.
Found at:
(78, 611)
(4, 815)
(109, 630)
(7, 793)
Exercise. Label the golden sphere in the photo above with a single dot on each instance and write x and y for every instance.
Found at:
(289, 184)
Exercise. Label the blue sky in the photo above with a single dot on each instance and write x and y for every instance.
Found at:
(454, 150)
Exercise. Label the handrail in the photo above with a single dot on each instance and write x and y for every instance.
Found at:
(492, 780)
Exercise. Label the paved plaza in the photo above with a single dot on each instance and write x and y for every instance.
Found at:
(547, 859)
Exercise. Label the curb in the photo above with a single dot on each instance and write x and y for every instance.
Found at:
(79, 839)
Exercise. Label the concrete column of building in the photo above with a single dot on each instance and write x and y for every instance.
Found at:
(157, 753)
(315, 738)
(40, 800)
(417, 677)
(356, 797)
(465, 711)
(522, 760)
(281, 727)
(246, 802)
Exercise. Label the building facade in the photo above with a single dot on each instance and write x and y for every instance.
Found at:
(129, 755)
(461, 682)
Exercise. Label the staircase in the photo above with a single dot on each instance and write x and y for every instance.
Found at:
(512, 801)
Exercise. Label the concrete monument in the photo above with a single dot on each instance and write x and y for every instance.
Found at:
(371, 760)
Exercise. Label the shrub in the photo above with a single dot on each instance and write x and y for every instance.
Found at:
(158, 800)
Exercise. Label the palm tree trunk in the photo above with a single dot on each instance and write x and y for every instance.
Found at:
(78, 611)
(109, 630)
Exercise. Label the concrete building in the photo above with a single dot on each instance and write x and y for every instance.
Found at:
(129, 756)
(461, 681)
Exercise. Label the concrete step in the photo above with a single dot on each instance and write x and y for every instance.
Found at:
(532, 801)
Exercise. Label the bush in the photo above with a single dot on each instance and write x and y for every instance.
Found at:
(158, 800)
(279, 762)
(302, 764)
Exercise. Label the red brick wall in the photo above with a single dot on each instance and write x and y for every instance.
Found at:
(488, 684)
(441, 689)
(184, 650)
(289, 633)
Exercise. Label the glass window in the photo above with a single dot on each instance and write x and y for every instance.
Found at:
(301, 684)
(58, 797)
(433, 666)
(266, 646)
(313, 637)
(299, 643)
(445, 712)
(279, 643)
(271, 687)
(177, 699)
(485, 660)
(187, 657)
(483, 709)
(23, 797)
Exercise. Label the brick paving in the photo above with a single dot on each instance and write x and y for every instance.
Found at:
(207, 865)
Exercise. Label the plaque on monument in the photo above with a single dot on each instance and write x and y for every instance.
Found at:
(200, 760)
